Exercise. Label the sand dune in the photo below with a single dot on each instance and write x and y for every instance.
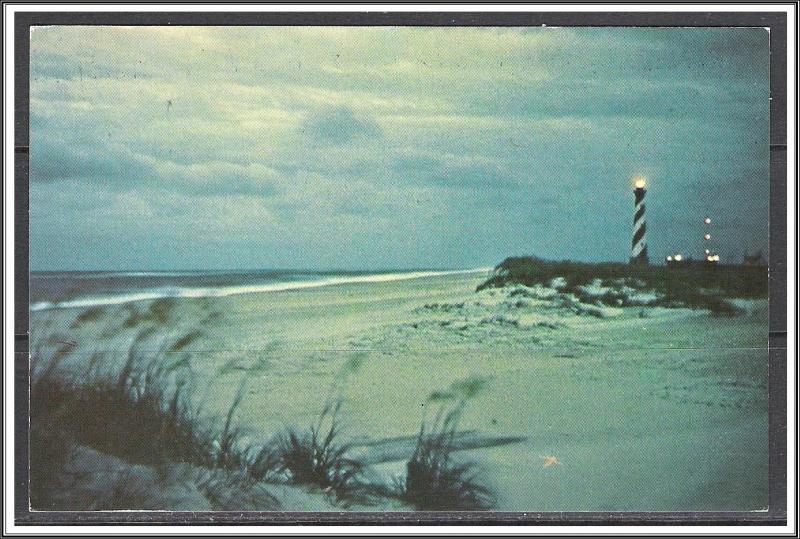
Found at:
(642, 408)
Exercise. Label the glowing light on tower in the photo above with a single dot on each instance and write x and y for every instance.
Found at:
(639, 242)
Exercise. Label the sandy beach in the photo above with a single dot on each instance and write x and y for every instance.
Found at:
(621, 409)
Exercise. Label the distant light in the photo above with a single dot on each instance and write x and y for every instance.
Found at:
(669, 259)
(708, 252)
(707, 236)
(710, 258)
(716, 258)
(678, 258)
(707, 220)
(639, 182)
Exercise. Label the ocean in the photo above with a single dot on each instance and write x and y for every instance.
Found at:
(71, 289)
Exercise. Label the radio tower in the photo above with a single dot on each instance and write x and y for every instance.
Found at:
(710, 256)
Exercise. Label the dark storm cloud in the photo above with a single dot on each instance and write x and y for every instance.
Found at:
(53, 161)
(118, 169)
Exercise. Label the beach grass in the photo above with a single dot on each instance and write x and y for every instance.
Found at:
(158, 312)
(143, 414)
(89, 315)
(434, 481)
(318, 456)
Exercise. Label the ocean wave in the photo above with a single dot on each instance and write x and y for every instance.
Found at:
(224, 291)
(90, 275)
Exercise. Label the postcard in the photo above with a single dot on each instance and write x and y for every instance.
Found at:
(399, 269)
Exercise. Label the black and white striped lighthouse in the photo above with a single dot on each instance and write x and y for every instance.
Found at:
(639, 240)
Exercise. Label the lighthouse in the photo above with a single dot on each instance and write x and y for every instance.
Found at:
(639, 241)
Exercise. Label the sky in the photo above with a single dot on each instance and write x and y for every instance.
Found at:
(365, 148)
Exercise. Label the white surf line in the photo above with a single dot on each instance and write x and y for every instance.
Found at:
(245, 289)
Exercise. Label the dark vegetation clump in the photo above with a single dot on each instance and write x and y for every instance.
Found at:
(434, 480)
(138, 415)
(696, 285)
(49, 451)
(317, 457)
(158, 312)
(89, 315)
(700, 300)
(142, 413)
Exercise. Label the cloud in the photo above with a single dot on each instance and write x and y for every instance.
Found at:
(452, 171)
(119, 168)
(218, 177)
(380, 145)
(52, 161)
(339, 125)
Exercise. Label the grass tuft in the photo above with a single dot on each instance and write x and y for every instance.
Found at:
(318, 458)
(89, 315)
(235, 491)
(158, 312)
(433, 480)
(142, 414)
